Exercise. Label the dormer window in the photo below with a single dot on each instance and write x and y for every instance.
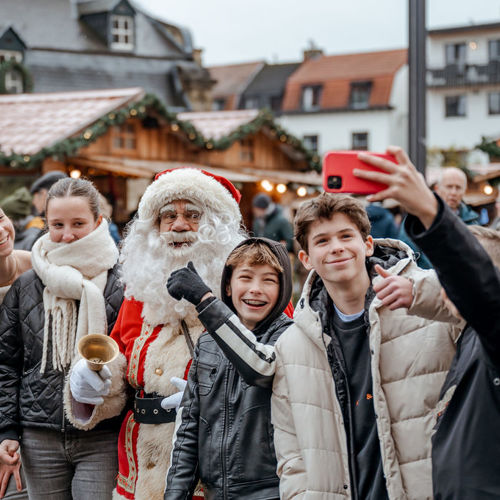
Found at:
(11, 55)
(122, 32)
(360, 95)
(311, 96)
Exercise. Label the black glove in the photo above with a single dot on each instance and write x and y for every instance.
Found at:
(186, 284)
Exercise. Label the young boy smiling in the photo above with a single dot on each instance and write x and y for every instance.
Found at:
(356, 378)
(224, 435)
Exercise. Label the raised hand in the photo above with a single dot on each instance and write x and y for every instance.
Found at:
(405, 184)
(185, 283)
(394, 291)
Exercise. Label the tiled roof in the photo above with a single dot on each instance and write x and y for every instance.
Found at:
(217, 124)
(30, 122)
(233, 79)
(335, 74)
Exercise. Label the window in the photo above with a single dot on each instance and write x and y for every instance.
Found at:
(14, 82)
(11, 55)
(455, 54)
(494, 103)
(124, 137)
(275, 103)
(122, 32)
(246, 150)
(251, 103)
(360, 95)
(360, 141)
(311, 96)
(455, 105)
(218, 104)
(311, 142)
(494, 50)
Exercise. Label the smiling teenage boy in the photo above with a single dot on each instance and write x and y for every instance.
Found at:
(224, 434)
(356, 378)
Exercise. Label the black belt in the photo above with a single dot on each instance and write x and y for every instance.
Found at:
(148, 410)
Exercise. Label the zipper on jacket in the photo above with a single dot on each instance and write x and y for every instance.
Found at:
(63, 422)
(229, 390)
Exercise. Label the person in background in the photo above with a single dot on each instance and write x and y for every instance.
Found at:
(40, 188)
(28, 227)
(382, 221)
(68, 450)
(270, 222)
(466, 437)
(255, 288)
(107, 211)
(451, 187)
(13, 263)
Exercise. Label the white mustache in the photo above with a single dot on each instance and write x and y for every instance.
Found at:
(175, 237)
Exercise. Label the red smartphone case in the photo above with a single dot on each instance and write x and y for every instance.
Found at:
(338, 176)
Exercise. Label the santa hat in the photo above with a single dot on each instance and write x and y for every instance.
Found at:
(192, 184)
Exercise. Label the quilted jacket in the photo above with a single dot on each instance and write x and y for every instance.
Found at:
(29, 398)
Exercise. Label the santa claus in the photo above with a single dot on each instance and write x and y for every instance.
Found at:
(184, 215)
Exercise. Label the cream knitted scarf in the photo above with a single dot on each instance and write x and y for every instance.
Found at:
(73, 272)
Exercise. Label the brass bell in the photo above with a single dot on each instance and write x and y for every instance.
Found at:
(98, 350)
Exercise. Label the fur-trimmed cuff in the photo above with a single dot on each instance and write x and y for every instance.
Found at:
(86, 417)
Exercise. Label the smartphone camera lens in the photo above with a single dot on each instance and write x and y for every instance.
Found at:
(334, 182)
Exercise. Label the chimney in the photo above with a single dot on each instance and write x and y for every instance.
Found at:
(197, 56)
(312, 52)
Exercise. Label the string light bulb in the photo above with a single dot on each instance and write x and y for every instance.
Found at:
(301, 191)
(75, 174)
(266, 185)
(281, 188)
(488, 189)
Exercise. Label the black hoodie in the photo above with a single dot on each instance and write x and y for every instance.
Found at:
(225, 437)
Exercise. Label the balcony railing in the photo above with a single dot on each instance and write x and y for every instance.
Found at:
(465, 75)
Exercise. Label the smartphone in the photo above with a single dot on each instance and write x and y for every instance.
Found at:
(338, 176)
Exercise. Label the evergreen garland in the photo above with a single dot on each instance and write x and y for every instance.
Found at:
(139, 109)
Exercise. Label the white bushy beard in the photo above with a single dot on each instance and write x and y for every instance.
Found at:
(148, 260)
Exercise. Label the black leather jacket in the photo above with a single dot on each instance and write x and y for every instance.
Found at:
(225, 436)
(29, 398)
(466, 443)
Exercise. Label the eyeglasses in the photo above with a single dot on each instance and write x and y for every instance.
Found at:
(191, 216)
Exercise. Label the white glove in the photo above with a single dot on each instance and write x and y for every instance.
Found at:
(88, 386)
(174, 401)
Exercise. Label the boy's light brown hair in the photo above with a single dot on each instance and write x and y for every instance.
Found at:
(489, 240)
(324, 207)
(255, 253)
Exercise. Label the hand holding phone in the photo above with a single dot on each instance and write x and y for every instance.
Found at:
(338, 176)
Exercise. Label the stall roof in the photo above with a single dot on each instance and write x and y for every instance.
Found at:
(31, 122)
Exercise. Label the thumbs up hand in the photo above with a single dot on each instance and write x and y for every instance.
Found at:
(392, 290)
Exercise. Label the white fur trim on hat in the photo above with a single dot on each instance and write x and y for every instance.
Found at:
(189, 184)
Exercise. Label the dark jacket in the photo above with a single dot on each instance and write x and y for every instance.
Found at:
(382, 222)
(466, 444)
(225, 435)
(464, 212)
(29, 398)
(274, 226)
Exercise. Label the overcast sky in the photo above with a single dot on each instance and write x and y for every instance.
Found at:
(232, 31)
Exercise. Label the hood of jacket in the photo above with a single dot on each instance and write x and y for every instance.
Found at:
(285, 281)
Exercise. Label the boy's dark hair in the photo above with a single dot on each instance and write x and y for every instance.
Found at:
(489, 240)
(255, 253)
(324, 207)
